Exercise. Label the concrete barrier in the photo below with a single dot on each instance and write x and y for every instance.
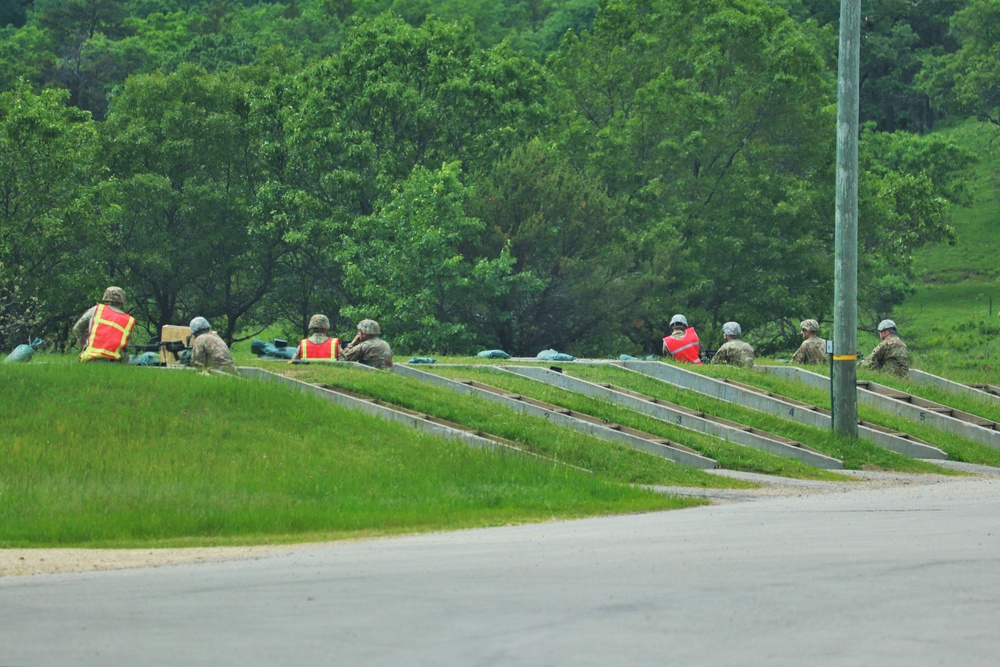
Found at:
(614, 433)
(780, 406)
(683, 417)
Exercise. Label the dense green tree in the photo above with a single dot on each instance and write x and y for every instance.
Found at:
(14, 12)
(967, 82)
(907, 187)
(711, 120)
(404, 265)
(51, 266)
(397, 97)
(193, 236)
(582, 281)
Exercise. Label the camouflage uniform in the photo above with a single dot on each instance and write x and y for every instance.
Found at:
(889, 355)
(373, 352)
(210, 352)
(812, 351)
(81, 330)
(734, 353)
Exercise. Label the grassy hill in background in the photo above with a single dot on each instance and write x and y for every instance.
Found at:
(951, 323)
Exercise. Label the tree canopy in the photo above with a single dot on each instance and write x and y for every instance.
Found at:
(516, 174)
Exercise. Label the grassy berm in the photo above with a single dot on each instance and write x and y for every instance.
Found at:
(106, 456)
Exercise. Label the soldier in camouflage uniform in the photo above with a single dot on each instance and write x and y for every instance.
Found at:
(890, 355)
(319, 327)
(813, 348)
(734, 352)
(208, 351)
(367, 348)
(113, 297)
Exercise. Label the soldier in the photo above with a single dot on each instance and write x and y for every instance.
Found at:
(367, 348)
(208, 351)
(682, 343)
(319, 345)
(734, 352)
(102, 331)
(891, 354)
(813, 348)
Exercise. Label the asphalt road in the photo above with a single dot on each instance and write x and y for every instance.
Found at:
(897, 576)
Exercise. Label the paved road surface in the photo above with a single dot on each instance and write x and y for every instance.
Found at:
(896, 576)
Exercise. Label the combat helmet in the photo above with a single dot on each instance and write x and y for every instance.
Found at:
(809, 325)
(886, 324)
(731, 329)
(199, 325)
(678, 319)
(319, 323)
(369, 327)
(114, 296)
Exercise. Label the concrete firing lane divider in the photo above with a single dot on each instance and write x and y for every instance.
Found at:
(383, 411)
(982, 392)
(781, 406)
(571, 418)
(683, 417)
(948, 419)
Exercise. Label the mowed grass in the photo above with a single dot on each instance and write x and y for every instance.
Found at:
(957, 447)
(950, 324)
(856, 454)
(535, 434)
(729, 455)
(105, 455)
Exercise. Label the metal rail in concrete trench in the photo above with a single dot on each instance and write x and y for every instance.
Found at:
(683, 417)
(571, 418)
(983, 392)
(383, 411)
(781, 406)
(948, 419)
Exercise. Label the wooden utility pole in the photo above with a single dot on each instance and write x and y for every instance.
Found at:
(845, 290)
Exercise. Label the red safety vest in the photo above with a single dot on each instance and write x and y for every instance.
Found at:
(328, 349)
(109, 331)
(684, 349)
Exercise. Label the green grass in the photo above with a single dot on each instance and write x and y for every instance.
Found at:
(957, 448)
(950, 324)
(729, 455)
(536, 434)
(856, 454)
(105, 455)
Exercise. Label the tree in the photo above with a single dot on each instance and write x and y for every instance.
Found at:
(49, 232)
(194, 237)
(907, 187)
(405, 266)
(967, 82)
(711, 120)
(583, 285)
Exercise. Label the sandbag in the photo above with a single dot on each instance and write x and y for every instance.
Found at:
(24, 353)
(493, 354)
(264, 349)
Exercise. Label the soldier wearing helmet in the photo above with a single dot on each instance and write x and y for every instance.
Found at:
(682, 344)
(734, 352)
(813, 348)
(208, 351)
(367, 348)
(102, 331)
(319, 345)
(890, 355)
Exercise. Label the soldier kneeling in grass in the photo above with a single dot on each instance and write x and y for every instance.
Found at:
(208, 351)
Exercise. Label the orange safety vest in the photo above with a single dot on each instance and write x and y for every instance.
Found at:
(328, 349)
(109, 332)
(684, 349)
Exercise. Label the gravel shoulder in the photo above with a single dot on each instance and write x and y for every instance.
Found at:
(22, 562)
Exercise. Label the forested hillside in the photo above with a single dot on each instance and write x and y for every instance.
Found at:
(520, 174)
